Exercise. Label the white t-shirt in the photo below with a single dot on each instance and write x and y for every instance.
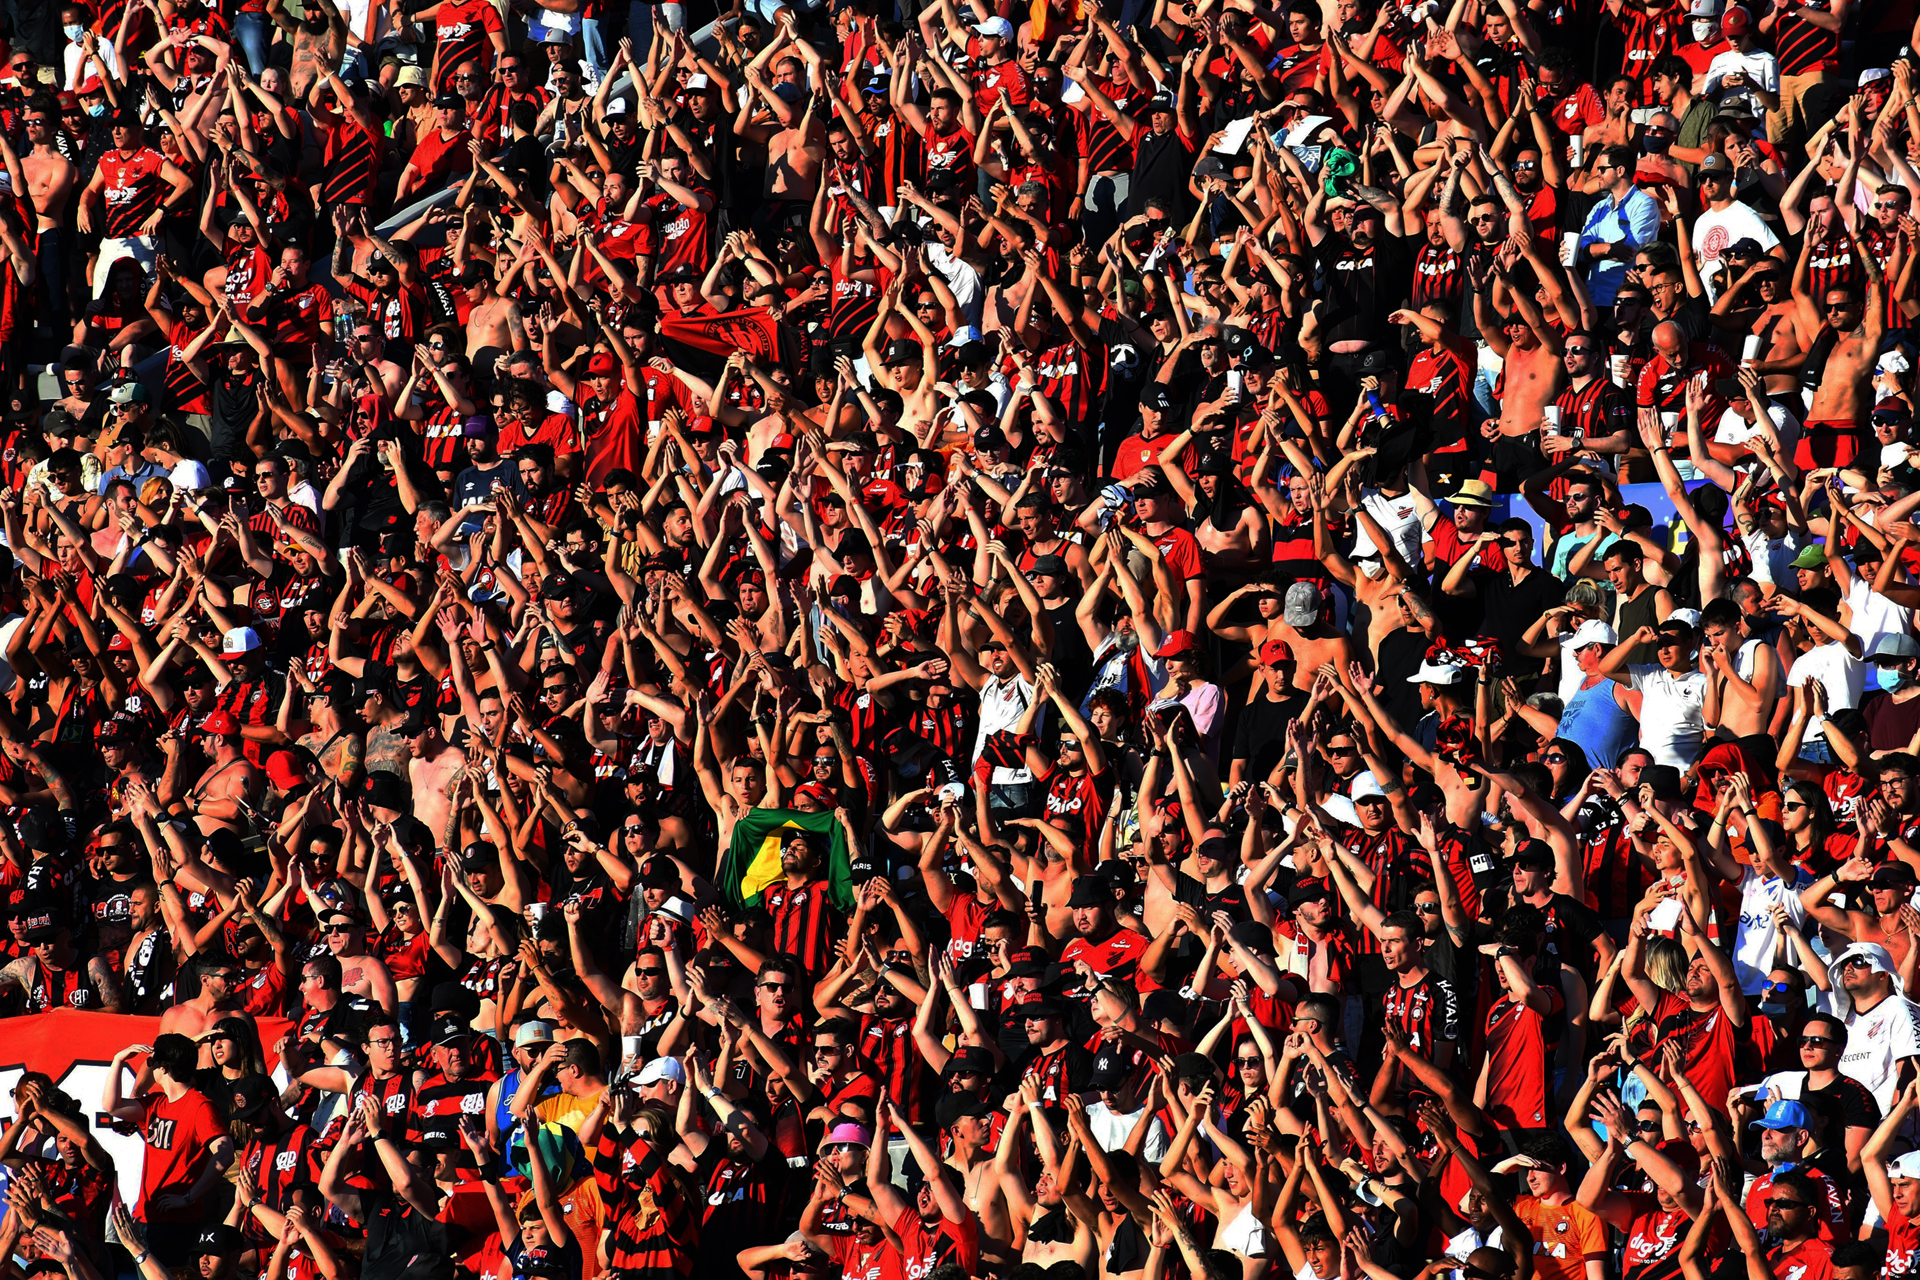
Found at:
(1734, 429)
(1772, 557)
(1759, 67)
(1877, 1042)
(1673, 721)
(1398, 518)
(75, 57)
(1839, 674)
(1111, 1129)
(1758, 936)
(1874, 615)
(1003, 699)
(1716, 229)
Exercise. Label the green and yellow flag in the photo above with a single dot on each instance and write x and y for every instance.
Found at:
(752, 861)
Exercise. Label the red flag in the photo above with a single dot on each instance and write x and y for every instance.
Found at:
(751, 329)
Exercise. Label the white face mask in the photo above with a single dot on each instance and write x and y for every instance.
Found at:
(1703, 32)
(73, 31)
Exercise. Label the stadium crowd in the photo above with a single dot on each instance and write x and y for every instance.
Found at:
(828, 641)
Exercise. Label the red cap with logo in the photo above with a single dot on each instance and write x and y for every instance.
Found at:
(221, 723)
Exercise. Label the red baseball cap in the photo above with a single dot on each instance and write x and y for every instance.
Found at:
(221, 723)
(1177, 643)
(602, 364)
(1274, 652)
(282, 773)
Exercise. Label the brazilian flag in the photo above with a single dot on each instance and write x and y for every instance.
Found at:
(752, 861)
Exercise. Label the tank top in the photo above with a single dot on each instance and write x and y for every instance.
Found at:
(1635, 614)
(1595, 721)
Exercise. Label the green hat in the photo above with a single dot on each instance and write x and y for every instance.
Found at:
(1340, 164)
(1810, 557)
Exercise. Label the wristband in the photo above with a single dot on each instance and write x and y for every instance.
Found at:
(140, 1258)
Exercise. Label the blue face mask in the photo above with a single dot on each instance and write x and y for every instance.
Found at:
(97, 109)
(1889, 678)
(73, 31)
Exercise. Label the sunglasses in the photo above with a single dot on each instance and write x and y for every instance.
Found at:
(1816, 1041)
(654, 972)
(1426, 908)
(1784, 1203)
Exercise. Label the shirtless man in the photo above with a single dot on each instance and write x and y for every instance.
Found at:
(367, 349)
(1312, 640)
(361, 974)
(319, 40)
(493, 322)
(746, 782)
(1070, 1238)
(434, 768)
(913, 380)
(50, 181)
(1837, 419)
(1533, 371)
(1743, 674)
(217, 796)
(219, 998)
(1782, 345)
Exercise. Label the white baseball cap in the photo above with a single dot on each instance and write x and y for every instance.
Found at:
(661, 1069)
(997, 27)
(1593, 631)
(240, 640)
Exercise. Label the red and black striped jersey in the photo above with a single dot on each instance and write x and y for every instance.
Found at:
(1072, 378)
(1649, 35)
(402, 315)
(442, 434)
(1880, 243)
(1437, 274)
(887, 1043)
(280, 1164)
(1802, 47)
(185, 393)
(654, 1232)
(441, 1102)
(1386, 855)
(804, 924)
(462, 30)
(853, 303)
(1830, 264)
(1428, 1011)
(1597, 410)
(1446, 377)
(1106, 151)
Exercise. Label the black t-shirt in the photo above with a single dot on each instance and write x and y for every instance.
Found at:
(1363, 286)
(1261, 736)
(1571, 928)
(1513, 607)
(402, 1241)
(1401, 653)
